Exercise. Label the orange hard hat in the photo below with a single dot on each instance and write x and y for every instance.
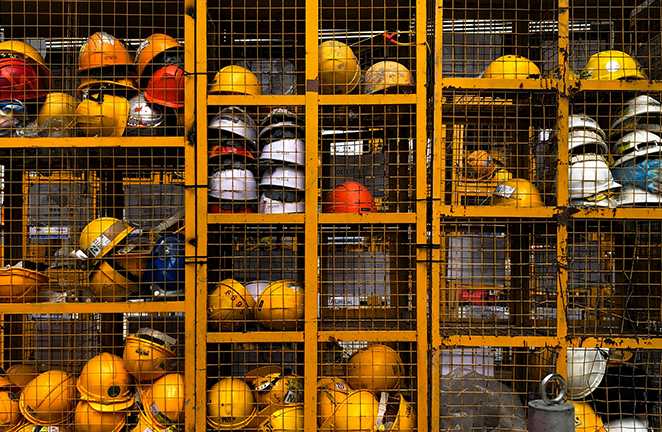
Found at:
(349, 197)
(166, 87)
(102, 49)
(152, 47)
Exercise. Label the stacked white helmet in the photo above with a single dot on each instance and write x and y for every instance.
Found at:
(590, 180)
(636, 138)
(282, 155)
(232, 185)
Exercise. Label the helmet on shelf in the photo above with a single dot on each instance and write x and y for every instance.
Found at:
(511, 67)
(19, 80)
(237, 123)
(148, 353)
(387, 77)
(376, 368)
(279, 418)
(578, 122)
(281, 124)
(165, 272)
(635, 144)
(331, 392)
(281, 306)
(586, 368)
(339, 68)
(586, 420)
(58, 112)
(20, 375)
(516, 193)
(166, 87)
(102, 49)
(49, 398)
(230, 405)
(21, 50)
(349, 197)
(103, 115)
(358, 412)
(291, 151)
(641, 109)
(612, 65)
(164, 401)
(151, 47)
(229, 305)
(275, 387)
(589, 174)
(102, 235)
(105, 383)
(111, 282)
(10, 413)
(144, 118)
(87, 419)
(235, 80)
(20, 285)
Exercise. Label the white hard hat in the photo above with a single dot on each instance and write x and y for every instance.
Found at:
(256, 287)
(586, 141)
(234, 184)
(586, 368)
(635, 107)
(284, 177)
(271, 206)
(588, 174)
(635, 144)
(632, 195)
(287, 150)
(582, 121)
(627, 424)
(144, 116)
(278, 122)
(237, 122)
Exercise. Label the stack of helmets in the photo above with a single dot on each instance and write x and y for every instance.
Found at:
(637, 149)
(283, 153)
(370, 398)
(100, 240)
(49, 398)
(590, 181)
(232, 182)
(160, 68)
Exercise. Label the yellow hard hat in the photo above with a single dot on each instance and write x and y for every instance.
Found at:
(163, 401)
(387, 77)
(103, 49)
(147, 353)
(612, 65)
(112, 284)
(281, 306)
(339, 69)
(10, 413)
(21, 374)
(105, 383)
(273, 386)
(358, 412)
(92, 83)
(586, 420)
(235, 80)
(517, 193)
(376, 368)
(58, 111)
(103, 115)
(19, 285)
(480, 165)
(100, 236)
(27, 52)
(88, 419)
(511, 67)
(229, 306)
(49, 398)
(404, 419)
(151, 47)
(278, 418)
(331, 392)
(231, 405)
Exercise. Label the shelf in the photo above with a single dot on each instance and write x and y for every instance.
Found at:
(322, 336)
(250, 219)
(92, 308)
(85, 142)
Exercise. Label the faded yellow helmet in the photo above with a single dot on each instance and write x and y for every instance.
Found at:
(229, 305)
(338, 68)
(387, 77)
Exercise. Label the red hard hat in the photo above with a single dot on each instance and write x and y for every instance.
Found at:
(166, 87)
(19, 80)
(349, 197)
(221, 150)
